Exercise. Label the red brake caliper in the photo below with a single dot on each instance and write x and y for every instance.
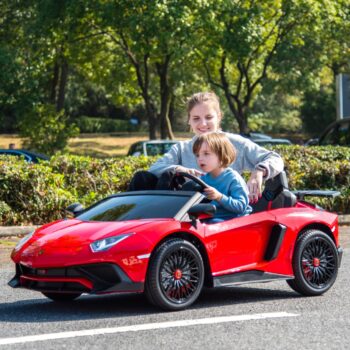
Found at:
(177, 274)
(316, 262)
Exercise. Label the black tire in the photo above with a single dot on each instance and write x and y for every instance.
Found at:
(62, 297)
(315, 263)
(175, 275)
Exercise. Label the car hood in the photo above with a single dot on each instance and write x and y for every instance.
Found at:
(66, 239)
(85, 230)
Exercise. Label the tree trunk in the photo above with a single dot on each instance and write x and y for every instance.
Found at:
(54, 83)
(236, 106)
(239, 113)
(62, 86)
(172, 109)
(151, 117)
(165, 98)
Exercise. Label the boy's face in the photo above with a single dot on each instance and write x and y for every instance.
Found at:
(207, 160)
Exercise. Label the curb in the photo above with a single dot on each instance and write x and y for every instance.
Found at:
(8, 231)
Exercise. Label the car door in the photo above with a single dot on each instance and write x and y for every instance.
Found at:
(238, 244)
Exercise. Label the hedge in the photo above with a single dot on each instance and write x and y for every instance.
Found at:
(38, 193)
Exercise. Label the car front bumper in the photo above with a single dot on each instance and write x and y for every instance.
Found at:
(91, 278)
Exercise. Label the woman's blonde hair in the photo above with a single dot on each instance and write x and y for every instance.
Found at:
(218, 143)
(201, 97)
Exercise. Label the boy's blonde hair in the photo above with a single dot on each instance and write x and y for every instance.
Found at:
(218, 143)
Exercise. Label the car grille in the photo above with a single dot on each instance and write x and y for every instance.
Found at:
(101, 276)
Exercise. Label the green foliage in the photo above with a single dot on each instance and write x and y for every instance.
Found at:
(32, 193)
(98, 125)
(59, 51)
(46, 130)
(324, 168)
(35, 194)
(318, 110)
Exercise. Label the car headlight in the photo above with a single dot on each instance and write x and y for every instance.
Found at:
(104, 244)
(24, 240)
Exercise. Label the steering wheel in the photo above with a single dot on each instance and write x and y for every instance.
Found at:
(195, 179)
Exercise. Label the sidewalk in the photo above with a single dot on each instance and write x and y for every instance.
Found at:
(7, 231)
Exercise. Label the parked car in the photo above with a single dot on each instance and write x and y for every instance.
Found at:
(337, 134)
(158, 242)
(151, 147)
(28, 156)
(266, 140)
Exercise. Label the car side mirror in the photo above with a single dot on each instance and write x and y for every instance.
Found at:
(75, 209)
(202, 211)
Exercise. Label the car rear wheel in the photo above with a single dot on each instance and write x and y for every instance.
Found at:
(315, 263)
(175, 275)
(62, 297)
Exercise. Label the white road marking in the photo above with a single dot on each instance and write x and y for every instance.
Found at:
(143, 327)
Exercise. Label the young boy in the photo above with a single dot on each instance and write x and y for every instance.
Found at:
(226, 188)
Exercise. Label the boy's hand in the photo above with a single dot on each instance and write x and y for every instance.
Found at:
(212, 194)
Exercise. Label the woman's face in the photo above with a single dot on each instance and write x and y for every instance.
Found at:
(204, 118)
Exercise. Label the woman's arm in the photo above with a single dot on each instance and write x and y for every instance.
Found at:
(254, 157)
(262, 164)
(170, 160)
(180, 157)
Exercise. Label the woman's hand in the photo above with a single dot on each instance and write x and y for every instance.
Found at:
(194, 172)
(254, 185)
(212, 194)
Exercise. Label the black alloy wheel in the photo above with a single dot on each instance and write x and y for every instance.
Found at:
(175, 276)
(315, 263)
(61, 297)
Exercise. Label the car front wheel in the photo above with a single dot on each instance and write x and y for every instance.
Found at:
(175, 275)
(315, 263)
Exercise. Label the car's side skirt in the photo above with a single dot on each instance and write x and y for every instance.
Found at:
(253, 276)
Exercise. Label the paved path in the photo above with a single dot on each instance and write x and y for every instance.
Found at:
(256, 316)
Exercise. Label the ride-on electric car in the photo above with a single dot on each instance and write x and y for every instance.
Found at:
(159, 243)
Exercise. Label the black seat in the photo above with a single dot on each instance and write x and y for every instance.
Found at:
(275, 195)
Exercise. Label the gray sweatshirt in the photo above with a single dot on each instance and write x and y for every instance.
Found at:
(250, 157)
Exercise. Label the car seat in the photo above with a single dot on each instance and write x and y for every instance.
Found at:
(275, 195)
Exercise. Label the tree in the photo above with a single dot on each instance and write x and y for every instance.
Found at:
(46, 130)
(156, 38)
(248, 40)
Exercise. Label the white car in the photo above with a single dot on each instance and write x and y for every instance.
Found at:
(150, 147)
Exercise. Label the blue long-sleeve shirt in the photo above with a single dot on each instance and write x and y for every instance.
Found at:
(235, 201)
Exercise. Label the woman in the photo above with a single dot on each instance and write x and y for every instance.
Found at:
(204, 115)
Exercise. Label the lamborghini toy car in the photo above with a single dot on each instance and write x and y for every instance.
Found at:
(158, 242)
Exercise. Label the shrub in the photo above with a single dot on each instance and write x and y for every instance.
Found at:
(38, 193)
(45, 130)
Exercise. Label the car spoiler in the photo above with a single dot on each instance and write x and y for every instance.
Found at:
(315, 193)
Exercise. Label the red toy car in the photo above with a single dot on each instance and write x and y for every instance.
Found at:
(157, 242)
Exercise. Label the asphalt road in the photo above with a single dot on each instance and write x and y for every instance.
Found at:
(258, 316)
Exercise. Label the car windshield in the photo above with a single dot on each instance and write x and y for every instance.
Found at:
(133, 207)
